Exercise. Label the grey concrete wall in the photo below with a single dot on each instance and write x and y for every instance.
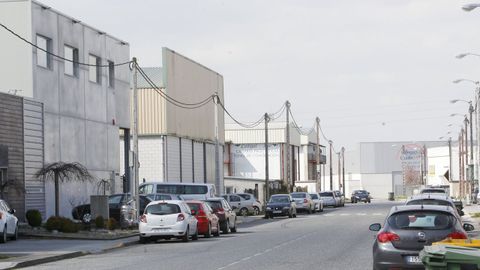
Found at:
(82, 118)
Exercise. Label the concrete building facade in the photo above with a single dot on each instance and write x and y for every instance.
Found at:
(84, 106)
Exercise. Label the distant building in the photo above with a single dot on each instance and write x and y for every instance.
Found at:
(178, 144)
(71, 112)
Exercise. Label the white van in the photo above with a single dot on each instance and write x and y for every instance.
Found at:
(187, 191)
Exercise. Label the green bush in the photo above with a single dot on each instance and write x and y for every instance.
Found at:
(54, 223)
(68, 226)
(99, 222)
(34, 218)
(112, 224)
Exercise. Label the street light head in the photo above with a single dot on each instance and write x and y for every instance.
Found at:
(462, 55)
(453, 101)
(470, 7)
(457, 81)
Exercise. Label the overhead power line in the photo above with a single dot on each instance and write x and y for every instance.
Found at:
(297, 127)
(56, 55)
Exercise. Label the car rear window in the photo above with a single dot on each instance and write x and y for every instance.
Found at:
(421, 220)
(194, 206)
(433, 191)
(245, 196)
(215, 204)
(314, 196)
(279, 199)
(429, 202)
(298, 195)
(162, 209)
(326, 194)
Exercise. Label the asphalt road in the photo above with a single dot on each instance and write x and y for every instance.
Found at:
(335, 239)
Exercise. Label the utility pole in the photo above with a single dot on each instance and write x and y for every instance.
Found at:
(331, 169)
(450, 159)
(218, 185)
(343, 169)
(267, 183)
(339, 169)
(290, 185)
(134, 183)
(318, 176)
(471, 166)
(460, 160)
(467, 170)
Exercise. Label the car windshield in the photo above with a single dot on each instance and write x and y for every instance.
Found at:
(361, 191)
(279, 199)
(326, 194)
(162, 209)
(215, 204)
(298, 195)
(423, 220)
(314, 196)
(429, 202)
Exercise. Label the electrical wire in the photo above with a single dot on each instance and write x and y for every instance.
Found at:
(174, 101)
(253, 125)
(58, 56)
(297, 127)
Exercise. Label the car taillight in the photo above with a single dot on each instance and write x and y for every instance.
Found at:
(457, 235)
(385, 237)
(305, 201)
(180, 217)
(143, 218)
(201, 214)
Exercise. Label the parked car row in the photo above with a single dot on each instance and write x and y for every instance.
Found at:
(424, 219)
(185, 220)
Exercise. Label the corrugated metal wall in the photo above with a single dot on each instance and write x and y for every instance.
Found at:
(198, 162)
(11, 135)
(151, 113)
(34, 155)
(187, 165)
(173, 159)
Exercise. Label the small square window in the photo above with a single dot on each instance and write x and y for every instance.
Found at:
(71, 67)
(44, 59)
(111, 74)
(94, 71)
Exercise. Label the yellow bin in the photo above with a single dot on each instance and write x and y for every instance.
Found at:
(472, 243)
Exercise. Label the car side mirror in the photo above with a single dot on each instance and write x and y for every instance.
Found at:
(461, 213)
(13, 211)
(375, 227)
(468, 227)
(193, 212)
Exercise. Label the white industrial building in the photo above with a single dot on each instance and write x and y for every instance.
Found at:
(178, 144)
(81, 108)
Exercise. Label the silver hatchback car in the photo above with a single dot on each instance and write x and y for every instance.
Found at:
(408, 229)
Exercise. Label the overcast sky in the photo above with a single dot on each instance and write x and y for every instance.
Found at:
(372, 70)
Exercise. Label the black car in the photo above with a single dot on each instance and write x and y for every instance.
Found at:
(360, 196)
(281, 205)
(115, 202)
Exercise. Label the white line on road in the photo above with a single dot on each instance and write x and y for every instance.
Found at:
(377, 214)
(345, 214)
(361, 214)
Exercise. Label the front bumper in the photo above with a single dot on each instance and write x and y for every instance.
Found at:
(277, 212)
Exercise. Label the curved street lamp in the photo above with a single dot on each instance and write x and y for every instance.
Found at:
(470, 7)
(466, 80)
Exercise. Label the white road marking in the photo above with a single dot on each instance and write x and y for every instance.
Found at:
(345, 214)
(377, 214)
(361, 214)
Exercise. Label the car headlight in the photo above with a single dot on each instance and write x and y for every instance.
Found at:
(268, 208)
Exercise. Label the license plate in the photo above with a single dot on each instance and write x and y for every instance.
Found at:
(277, 212)
(413, 259)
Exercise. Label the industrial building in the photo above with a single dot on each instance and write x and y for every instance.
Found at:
(178, 144)
(60, 110)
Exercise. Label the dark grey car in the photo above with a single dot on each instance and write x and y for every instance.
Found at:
(408, 229)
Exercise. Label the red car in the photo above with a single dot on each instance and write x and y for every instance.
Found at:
(207, 221)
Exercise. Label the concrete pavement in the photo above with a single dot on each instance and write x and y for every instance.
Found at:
(336, 239)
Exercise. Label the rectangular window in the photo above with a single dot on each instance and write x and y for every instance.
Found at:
(94, 71)
(111, 74)
(43, 58)
(71, 67)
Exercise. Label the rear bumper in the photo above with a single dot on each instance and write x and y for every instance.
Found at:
(176, 230)
(386, 256)
(202, 226)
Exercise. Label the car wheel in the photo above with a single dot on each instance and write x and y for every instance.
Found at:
(186, 237)
(244, 211)
(15, 234)
(143, 240)
(226, 229)
(86, 218)
(209, 231)
(3, 239)
(256, 211)
(195, 236)
(234, 229)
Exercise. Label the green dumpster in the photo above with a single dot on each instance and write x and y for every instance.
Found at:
(444, 257)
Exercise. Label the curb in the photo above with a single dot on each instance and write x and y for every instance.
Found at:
(71, 255)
